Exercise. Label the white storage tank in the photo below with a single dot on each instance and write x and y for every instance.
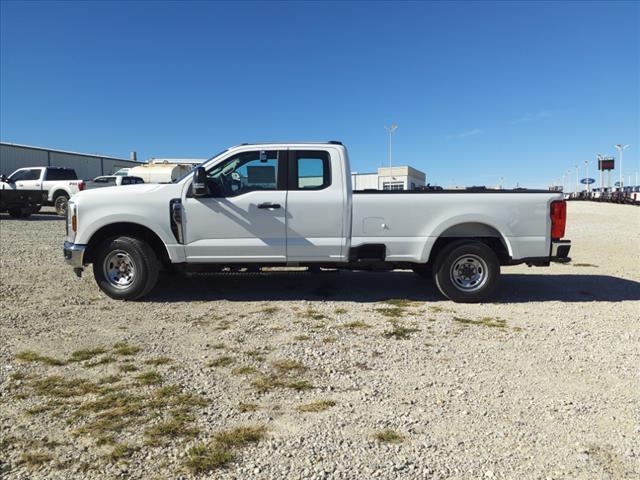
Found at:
(160, 172)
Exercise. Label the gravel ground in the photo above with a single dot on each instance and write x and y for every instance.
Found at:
(542, 383)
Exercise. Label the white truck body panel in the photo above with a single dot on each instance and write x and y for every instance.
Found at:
(317, 225)
(521, 220)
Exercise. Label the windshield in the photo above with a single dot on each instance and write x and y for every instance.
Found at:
(199, 165)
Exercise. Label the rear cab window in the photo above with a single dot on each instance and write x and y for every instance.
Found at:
(58, 174)
(309, 170)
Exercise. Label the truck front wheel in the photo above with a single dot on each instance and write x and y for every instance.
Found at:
(126, 268)
(467, 272)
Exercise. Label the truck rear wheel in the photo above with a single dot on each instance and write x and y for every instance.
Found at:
(467, 272)
(126, 268)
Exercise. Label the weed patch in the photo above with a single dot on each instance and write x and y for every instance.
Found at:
(30, 356)
(399, 332)
(388, 436)
(205, 457)
(355, 325)
(319, 406)
(485, 321)
(223, 361)
(124, 349)
(149, 378)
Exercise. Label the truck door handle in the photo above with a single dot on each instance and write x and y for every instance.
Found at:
(268, 205)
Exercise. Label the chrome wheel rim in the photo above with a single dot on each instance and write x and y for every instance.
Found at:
(119, 269)
(61, 206)
(469, 273)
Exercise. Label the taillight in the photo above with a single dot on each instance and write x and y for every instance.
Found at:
(558, 218)
(80, 185)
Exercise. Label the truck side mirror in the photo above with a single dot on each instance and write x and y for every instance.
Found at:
(199, 182)
(3, 178)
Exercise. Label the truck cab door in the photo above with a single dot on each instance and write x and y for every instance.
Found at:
(243, 217)
(318, 226)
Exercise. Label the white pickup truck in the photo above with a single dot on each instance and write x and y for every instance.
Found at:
(268, 205)
(60, 183)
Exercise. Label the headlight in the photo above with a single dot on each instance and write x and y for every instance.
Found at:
(72, 221)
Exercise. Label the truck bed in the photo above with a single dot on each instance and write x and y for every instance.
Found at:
(409, 222)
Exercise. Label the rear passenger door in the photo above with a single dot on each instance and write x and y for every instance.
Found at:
(315, 207)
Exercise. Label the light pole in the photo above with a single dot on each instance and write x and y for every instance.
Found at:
(568, 178)
(390, 131)
(586, 167)
(621, 148)
(577, 178)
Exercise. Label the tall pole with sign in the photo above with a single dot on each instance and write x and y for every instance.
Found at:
(599, 157)
(621, 148)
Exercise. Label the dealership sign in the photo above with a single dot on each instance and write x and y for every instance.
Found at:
(587, 181)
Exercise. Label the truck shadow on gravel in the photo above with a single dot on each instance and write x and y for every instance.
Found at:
(375, 287)
(36, 217)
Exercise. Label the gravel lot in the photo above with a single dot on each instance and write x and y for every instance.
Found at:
(543, 383)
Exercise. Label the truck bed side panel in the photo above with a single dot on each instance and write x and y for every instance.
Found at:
(410, 224)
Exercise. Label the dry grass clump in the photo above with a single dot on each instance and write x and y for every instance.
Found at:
(86, 354)
(388, 436)
(318, 406)
(124, 349)
(355, 325)
(206, 457)
(244, 370)
(34, 459)
(485, 321)
(158, 361)
(31, 356)
(121, 450)
(223, 361)
(399, 332)
(247, 407)
(110, 407)
(149, 378)
(312, 314)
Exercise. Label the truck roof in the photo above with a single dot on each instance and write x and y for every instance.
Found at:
(330, 142)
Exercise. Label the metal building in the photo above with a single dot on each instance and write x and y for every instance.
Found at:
(389, 178)
(87, 166)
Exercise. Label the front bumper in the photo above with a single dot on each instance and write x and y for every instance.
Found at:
(560, 251)
(74, 255)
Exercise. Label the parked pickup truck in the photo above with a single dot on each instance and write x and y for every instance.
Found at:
(292, 204)
(61, 183)
(111, 181)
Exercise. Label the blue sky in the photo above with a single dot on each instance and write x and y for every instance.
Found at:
(479, 90)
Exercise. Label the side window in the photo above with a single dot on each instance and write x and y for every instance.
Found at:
(245, 172)
(27, 174)
(18, 175)
(311, 170)
(55, 174)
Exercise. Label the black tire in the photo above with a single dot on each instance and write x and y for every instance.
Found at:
(18, 213)
(60, 202)
(138, 274)
(467, 272)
